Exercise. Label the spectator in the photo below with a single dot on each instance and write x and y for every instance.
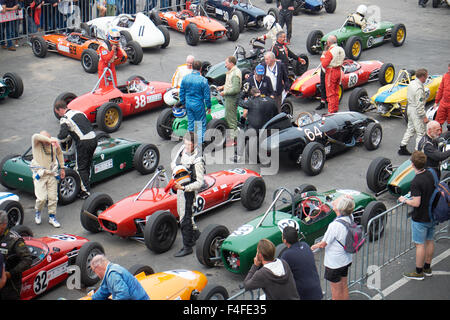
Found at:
(301, 261)
(272, 275)
(332, 62)
(277, 73)
(443, 100)
(181, 71)
(32, 9)
(337, 261)
(17, 259)
(416, 111)
(286, 8)
(10, 26)
(101, 8)
(2, 272)
(430, 146)
(282, 52)
(47, 159)
(422, 228)
(260, 81)
(111, 7)
(117, 281)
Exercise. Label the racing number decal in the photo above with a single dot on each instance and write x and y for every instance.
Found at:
(288, 223)
(199, 205)
(40, 283)
(352, 79)
(180, 25)
(73, 49)
(143, 100)
(141, 31)
(311, 135)
(140, 101)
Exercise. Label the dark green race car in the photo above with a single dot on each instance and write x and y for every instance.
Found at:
(11, 85)
(112, 157)
(307, 210)
(354, 40)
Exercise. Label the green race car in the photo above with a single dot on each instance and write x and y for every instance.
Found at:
(112, 157)
(354, 40)
(307, 210)
(11, 85)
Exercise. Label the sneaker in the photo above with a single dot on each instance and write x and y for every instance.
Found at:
(414, 275)
(37, 217)
(403, 151)
(320, 106)
(428, 272)
(52, 220)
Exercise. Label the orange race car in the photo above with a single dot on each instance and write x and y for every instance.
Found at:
(79, 46)
(196, 25)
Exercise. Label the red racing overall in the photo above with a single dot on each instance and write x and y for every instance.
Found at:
(332, 61)
(107, 60)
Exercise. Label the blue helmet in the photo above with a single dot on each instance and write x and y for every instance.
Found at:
(178, 112)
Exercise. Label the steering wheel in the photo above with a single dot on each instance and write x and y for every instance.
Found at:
(303, 119)
(313, 204)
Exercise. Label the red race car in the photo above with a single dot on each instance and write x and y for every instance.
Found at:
(52, 256)
(151, 215)
(353, 74)
(107, 105)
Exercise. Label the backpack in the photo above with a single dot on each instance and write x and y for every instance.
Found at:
(355, 236)
(439, 206)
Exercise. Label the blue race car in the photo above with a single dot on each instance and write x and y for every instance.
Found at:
(312, 5)
(242, 11)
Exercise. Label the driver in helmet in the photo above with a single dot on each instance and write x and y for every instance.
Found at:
(110, 52)
(272, 27)
(359, 17)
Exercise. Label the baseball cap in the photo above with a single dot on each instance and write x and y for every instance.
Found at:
(259, 69)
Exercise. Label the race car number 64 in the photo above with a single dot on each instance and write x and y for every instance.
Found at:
(312, 135)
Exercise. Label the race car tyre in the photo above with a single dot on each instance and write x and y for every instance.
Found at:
(139, 268)
(23, 231)
(14, 83)
(353, 47)
(101, 136)
(213, 292)
(109, 117)
(275, 13)
(279, 250)
(398, 35)
(85, 29)
(378, 174)
(160, 231)
(287, 106)
(39, 46)
(313, 44)
(125, 37)
(69, 187)
(146, 158)
(330, 6)
(354, 101)
(253, 193)
(232, 30)
(66, 97)
(305, 188)
(89, 60)
(95, 204)
(299, 68)
(164, 124)
(134, 52)
(216, 132)
(208, 245)
(436, 3)
(2, 163)
(376, 229)
(154, 16)
(313, 158)
(205, 67)
(240, 20)
(269, 1)
(191, 35)
(166, 35)
(386, 74)
(373, 136)
(14, 210)
(87, 252)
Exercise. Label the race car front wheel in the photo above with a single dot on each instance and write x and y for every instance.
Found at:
(253, 193)
(232, 30)
(160, 231)
(376, 229)
(14, 83)
(191, 35)
(91, 209)
(39, 46)
(378, 174)
(87, 252)
(313, 44)
(164, 124)
(208, 245)
(134, 52)
(353, 47)
(373, 136)
(358, 100)
(66, 97)
(69, 187)
(109, 117)
(213, 292)
(146, 158)
(398, 35)
(89, 61)
(313, 158)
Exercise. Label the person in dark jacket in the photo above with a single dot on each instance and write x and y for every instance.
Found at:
(276, 71)
(272, 275)
(260, 81)
(430, 146)
(286, 8)
(2, 272)
(301, 261)
(282, 52)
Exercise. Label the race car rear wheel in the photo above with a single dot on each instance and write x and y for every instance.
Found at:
(14, 83)
(213, 292)
(253, 193)
(313, 158)
(146, 158)
(313, 44)
(66, 97)
(69, 187)
(139, 268)
(164, 123)
(386, 74)
(160, 231)
(305, 188)
(191, 35)
(208, 245)
(216, 132)
(39, 46)
(23, 231)
(166, 35)
(87, 252)
(299, 68)
(92, 207)
(330, 6)
(89, 60)
(353, 47)
(376, 229)
(275, 13)
(134, 52)
(378, 174)
(125, 37)
(373, 136)
(398, 35)
(287, 106)
(109, 117)
(154, 16)
(232, 30)
(240, 20)
(14, 210)
(356, 100)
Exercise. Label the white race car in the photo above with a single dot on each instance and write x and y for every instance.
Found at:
(137, 27)
(9, 202)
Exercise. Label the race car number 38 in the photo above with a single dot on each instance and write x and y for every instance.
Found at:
(143, 100)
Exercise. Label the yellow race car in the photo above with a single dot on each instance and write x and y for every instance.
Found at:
(390, 100)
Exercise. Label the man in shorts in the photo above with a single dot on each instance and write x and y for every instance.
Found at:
(422, 227)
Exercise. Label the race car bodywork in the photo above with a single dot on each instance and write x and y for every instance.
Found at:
(151, 215)
(107, 105)
(138, 27)
(10, 203)
(313, 5)
(354, 40)
(11, 85)
(309, 140)
(197, 26)
(307, 210)
(53, 257)
(391, 100)
(82, 47)
(353, 74)
(112, 157)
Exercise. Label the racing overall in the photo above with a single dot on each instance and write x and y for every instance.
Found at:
(283, 53)
(107, 60)
(231, 91)
(272, 33)
(443, 99)
(332, 61)
(286, 16)
(17, 260)
(182, 70)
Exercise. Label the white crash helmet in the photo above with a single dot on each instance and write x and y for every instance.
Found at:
(362, 9)
(181, 175)
(268, 21)
(171, 97)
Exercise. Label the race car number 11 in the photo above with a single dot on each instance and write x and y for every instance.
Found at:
(143, 100)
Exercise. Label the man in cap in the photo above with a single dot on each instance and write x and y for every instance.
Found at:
(260, 81)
